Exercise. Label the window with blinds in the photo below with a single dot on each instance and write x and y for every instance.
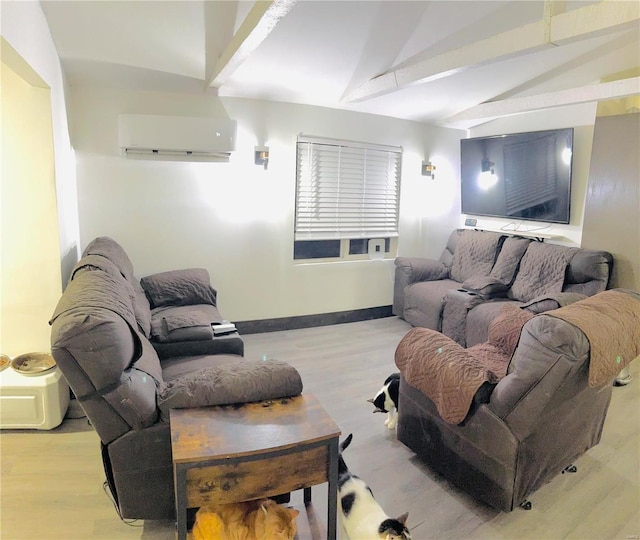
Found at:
(346, 190)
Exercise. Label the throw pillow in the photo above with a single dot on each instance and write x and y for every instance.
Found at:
(179, 288)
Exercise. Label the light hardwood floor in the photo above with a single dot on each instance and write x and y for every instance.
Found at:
(51, 481)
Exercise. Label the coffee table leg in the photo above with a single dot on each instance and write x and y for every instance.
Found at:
(180, 475)
(333, 490)
(307, 496)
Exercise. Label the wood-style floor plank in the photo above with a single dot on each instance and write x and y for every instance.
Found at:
(51, 481)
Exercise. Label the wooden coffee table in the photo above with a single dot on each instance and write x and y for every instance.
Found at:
(238, 453)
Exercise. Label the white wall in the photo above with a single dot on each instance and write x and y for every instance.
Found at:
(236, 219)
(24, 27)
(582, 119)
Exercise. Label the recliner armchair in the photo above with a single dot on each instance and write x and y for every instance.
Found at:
(100, 344)
(521, 429)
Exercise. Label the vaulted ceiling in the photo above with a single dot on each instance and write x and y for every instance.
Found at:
(452, 63)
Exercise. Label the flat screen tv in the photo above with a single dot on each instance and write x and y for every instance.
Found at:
(524, 176)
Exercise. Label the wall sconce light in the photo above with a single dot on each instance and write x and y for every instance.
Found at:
(262, 156)
(487, 166)
(487, 177)
(428, 169)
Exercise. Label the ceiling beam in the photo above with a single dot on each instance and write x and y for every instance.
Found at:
(257, 25)
(605, 17)
(219, 23)
(573, 96)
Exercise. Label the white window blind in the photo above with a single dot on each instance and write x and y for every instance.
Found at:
(346, 189)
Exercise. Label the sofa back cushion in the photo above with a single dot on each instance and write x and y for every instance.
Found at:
(542, 271)
(446, 257)
(475, 254)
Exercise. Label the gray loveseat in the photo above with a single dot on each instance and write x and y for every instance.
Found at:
(516, 429)
(101, 339)
(481, 271)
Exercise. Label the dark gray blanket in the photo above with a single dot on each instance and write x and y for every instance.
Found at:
(96, 289)
(107, 247)
(240, 382)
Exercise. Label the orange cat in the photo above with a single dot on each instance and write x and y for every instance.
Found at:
(263, 519)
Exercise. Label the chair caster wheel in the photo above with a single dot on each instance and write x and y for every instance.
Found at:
(526, 505)
(570, 469)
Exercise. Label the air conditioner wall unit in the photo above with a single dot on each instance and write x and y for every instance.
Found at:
(176, 138)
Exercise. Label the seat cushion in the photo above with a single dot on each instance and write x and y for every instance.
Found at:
(480, 317)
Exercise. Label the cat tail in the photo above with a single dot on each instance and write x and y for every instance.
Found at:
(342, 466)
(344, 444)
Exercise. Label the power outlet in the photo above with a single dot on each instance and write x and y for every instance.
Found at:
(470, 222)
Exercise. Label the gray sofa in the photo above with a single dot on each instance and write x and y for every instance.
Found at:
(481, 271)
(127, 384)
(517, 429)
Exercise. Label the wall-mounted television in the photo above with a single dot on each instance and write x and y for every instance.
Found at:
(524, 176)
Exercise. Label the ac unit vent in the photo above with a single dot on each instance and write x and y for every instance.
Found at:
(176, 138)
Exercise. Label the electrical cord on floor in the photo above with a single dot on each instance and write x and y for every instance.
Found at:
(130, 522)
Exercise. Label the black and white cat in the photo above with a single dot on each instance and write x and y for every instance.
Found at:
(361, 517)
(386, 400)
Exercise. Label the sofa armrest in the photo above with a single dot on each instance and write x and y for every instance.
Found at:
(419, 269)
(589, 272)
(411, 270)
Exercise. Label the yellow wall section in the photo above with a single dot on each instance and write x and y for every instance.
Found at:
(630, 104)
(30, 255)
(615, 107)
